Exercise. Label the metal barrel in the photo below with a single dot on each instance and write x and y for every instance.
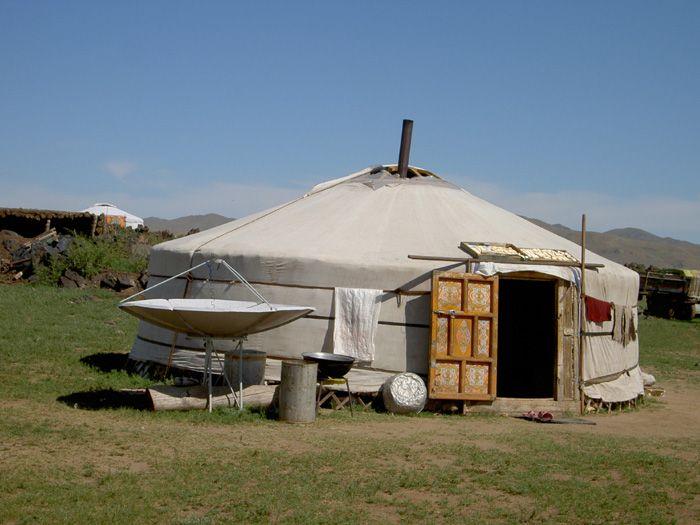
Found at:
(297, 393)
(253, 362)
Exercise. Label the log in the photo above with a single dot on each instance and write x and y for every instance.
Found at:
(166, 397)
(49, 234)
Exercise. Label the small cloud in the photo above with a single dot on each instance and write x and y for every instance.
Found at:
(119, 169)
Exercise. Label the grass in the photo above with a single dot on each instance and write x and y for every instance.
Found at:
(60, 464)
(671, 349)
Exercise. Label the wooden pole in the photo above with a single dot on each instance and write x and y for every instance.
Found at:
(582, 310)
(589, 266)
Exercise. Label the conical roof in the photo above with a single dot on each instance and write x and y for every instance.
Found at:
(358, 231)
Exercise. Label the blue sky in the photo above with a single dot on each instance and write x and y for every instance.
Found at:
(550, 109)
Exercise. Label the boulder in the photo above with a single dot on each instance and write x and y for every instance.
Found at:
(63, 243)
(81, 281)
(65, 282)
(119, 281)
(128, 292)
(125, 281)
(109, 280)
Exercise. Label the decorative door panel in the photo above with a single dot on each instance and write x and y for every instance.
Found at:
(461, 337)
(441, 336)
(464, 329)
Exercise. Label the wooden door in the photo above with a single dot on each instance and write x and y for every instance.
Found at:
(464, 336)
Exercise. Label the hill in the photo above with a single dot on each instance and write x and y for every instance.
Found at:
(626, 245)
(182, 225)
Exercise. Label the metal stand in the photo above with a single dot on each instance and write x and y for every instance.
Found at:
(239, 347)
(208, 375)
(207, 263)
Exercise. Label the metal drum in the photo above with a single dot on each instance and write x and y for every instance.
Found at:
(253, 367)
(297, 392)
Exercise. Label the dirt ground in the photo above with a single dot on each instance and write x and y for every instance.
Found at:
(672, 416)
(676, 416)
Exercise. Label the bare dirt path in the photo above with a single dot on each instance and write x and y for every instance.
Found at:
(675, 415)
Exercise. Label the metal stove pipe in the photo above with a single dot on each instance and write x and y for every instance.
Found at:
(405, 149)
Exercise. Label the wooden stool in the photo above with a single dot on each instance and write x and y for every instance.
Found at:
(324, 394)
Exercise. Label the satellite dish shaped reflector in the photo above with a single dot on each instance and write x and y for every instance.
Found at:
(216, 318)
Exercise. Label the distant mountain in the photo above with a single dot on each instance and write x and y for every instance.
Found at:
(627, 245)
(634, 233)
(182, 225)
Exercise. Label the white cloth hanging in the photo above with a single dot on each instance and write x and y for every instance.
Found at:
(356, 320)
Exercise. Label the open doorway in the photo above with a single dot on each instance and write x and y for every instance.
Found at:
(527, 338)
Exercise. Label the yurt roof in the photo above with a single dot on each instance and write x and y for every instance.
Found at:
(107, 208)
(367, 221)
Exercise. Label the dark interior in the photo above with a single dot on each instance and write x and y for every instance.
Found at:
(527, 338)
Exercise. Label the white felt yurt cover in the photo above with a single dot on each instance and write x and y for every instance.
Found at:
(357, 232)
(106, 208)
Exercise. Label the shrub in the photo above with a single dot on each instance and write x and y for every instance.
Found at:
(88, 257)
(120, 250)
(50, 273)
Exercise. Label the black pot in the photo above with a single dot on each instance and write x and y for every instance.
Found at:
(330, 365)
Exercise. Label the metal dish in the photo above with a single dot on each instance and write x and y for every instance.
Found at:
(330, 365)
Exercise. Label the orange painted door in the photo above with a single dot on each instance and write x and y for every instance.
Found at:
(464, 336)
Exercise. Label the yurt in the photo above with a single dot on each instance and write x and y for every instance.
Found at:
(114, 215)
(367, 252)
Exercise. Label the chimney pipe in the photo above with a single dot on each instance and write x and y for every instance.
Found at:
(405, 149)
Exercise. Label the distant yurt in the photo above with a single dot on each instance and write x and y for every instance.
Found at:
(114, 215)
(386, 259)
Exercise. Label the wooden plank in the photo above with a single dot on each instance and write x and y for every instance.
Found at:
(561, 290)
(518, 406)
(589, 266)
(569, 332)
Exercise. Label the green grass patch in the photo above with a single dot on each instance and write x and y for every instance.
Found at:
(61, 464)
(45, 331)
(670, 349)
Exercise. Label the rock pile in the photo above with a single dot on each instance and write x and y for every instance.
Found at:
(21, 258)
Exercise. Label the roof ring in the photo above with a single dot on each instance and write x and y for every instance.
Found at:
(412, 171)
